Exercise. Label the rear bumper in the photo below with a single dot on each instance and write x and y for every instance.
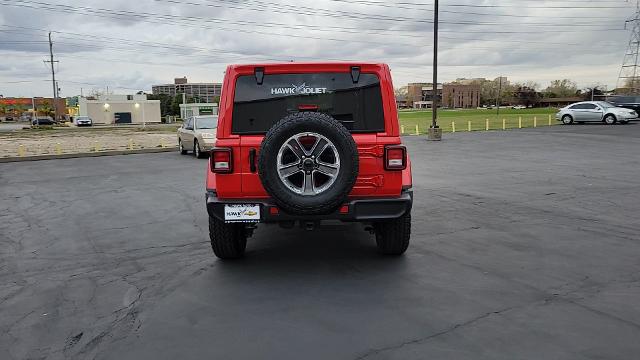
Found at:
(357, 209)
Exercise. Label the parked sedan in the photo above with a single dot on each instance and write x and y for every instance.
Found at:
(83, 121)
(43, 121)
(595, 111)
(198, 133)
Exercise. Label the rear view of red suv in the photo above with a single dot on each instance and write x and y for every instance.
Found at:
(300, 143)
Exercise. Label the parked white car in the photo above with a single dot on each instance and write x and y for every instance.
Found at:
(83, 121)
(595, 111)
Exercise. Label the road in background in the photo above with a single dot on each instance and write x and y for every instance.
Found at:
(525, 245)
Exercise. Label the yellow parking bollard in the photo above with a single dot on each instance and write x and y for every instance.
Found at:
(58, 149)
(21, 150)
(519, 122)
(549, 120)
(162, 143)
(535, 121)
(504, 124)
(130, 144)
(487, 124)
(453, 126)
(417, 131)
(96, 146)
(469, 125)
(402, 129)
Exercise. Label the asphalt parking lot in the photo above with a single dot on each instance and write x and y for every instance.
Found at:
(526, 245)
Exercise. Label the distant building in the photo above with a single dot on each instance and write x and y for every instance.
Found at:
(502, 80)
(456, 96)
(401, 101)
(120, 109)
(420, 95)
(559, 102)
(24, 106)
(453, 95)
(204, 92)
(473, 81)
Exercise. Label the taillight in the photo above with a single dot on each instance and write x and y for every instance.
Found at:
(395, 157)
(221, 160)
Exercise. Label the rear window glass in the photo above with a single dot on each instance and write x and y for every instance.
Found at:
(624, 99)
(358, 106)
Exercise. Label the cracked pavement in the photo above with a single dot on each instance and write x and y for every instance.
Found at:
(525, 245)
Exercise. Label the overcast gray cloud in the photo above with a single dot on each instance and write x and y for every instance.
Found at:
(130, 45)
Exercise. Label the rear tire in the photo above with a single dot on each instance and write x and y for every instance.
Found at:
(392, 236)
(228, 241)
(567, 119)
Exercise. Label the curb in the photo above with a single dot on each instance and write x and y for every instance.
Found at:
(92, 154)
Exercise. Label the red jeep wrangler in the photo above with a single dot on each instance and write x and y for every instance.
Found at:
(306, 142)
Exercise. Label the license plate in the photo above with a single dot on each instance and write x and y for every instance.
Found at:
(242, 213)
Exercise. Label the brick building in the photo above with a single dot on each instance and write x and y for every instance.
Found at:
(456, 96)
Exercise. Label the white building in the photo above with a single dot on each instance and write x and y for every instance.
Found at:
(120, 109)
(196, 109)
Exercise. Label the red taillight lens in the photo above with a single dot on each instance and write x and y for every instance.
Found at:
(221, 160)
(395, 157)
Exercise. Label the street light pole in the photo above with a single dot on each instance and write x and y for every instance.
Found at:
(434, 132)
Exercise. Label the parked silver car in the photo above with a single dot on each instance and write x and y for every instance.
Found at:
(198, 133)
(595, 111)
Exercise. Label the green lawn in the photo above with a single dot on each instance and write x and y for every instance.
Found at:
(477, 118)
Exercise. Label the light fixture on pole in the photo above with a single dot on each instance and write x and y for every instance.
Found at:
(435, 132)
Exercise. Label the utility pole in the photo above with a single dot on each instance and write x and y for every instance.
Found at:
(498, 96)
(434, 132)
(53, 79)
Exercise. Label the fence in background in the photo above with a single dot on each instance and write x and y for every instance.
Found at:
(487, 124)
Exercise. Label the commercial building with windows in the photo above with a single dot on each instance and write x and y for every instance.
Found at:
(454, 95)
(420, 95)
(458, 96)
(24, 107)
(204, 92)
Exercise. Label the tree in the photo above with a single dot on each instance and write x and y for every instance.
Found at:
(45, 109)
(165, 103)
(561, 88)
(401, 91)
(595, 92)
(526, 94)
(175, 105)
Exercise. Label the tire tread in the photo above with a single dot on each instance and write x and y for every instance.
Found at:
(228, 241)
(393, 236)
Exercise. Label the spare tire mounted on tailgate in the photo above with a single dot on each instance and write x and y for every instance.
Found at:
(308, 163)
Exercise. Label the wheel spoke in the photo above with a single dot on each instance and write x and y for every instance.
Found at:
(319, 147)
(327, 169)
(307, 185)
(289, 169)
(294, 145)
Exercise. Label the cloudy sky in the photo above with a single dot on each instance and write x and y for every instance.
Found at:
(130, 45)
